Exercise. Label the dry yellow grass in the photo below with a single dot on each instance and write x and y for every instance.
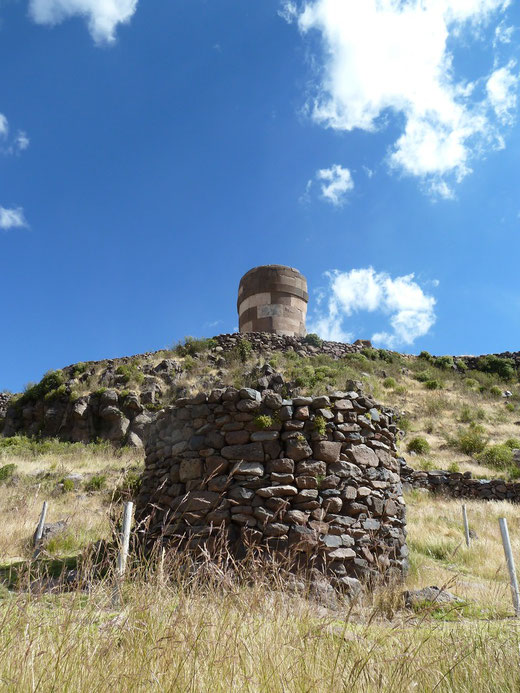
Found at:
(179, 636)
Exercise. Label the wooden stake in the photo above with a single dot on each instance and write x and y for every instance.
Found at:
(125, 539)
(510, 564)
(39, 529)
(466, 526)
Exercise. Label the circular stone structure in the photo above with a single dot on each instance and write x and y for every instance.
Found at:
(273, 298)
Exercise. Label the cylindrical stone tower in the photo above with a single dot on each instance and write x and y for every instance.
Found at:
(273, 298)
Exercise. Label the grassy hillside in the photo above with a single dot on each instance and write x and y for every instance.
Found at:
(180, 633)
(176, 632)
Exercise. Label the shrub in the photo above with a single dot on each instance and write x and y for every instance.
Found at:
(468, 414)
(461, 365)
(244, 349)
(320, 425)
(433, 385)
(130, 372)
(193, 346)
(510, 406)
(423, 376)
(470, 382)
(418, 445)
(370, 353)
(67, 485)
(470, 441)
(513, 443)
(312, 339)
(60, 391)
(497, 456)
(426, 356)
(78, 369)
(404, 423)
(505, 368)
(387, 356)
(443, 362)
(400, 390)
(453, 468)
(96, 482)
(7, 472)
(52, 380)
(495, 391)
(389, 382)
(263, 421)
(129, 486)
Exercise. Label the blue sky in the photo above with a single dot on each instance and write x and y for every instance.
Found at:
(152, 152)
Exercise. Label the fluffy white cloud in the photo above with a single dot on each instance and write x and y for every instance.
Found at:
(12, 218)
(409, 310)
(383, 56)
(337, 183)
(102, 16)
(502, 91)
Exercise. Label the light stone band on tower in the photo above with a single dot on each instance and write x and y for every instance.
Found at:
(273, 298)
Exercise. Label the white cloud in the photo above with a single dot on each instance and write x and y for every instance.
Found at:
(4, 126)
(502, 91)
(102, 16)
(289, 11)
(391, 56)
(338, 182)
(409, 310)
(22, 141)
(12, 218)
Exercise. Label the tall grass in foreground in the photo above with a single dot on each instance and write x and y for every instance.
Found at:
(244, 638)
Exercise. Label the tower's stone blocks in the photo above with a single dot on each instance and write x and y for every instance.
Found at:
(273, 298)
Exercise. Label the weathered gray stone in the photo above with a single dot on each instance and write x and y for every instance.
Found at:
(363, 456)
(276, 491)
(252, 452)
(190, 469)
(297, 449)
(327, 451)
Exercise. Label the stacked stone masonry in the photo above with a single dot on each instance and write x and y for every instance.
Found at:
(460, 485)
(313, 479)
(273, 298)
(5, 398)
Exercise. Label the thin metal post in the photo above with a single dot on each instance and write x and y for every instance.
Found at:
(125, 539)
(39, 529)
(466, 526)
(510, 564)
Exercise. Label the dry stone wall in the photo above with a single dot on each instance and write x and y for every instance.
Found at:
(5, 397)
(266, 342)
(313, 479)
(461, 485)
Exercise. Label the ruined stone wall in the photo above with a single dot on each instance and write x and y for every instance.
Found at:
(461, 485)
(5, 398)
(266, 342)
(315, 479)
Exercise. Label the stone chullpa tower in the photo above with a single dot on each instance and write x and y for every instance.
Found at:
(273, 298)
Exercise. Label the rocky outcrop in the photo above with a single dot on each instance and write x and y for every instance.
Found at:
(107, 415)
(312, 479)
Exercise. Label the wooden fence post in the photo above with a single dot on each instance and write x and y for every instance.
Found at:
(39, 529)
(466, 526)
(125, 539)
(510, 564)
